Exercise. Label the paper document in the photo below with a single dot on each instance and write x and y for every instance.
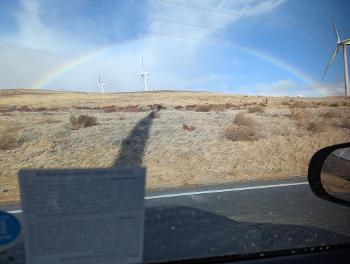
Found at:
(83, 215)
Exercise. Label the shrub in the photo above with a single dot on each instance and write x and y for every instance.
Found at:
(8, 138)
(322, 103)
(316, 126)
(82, 121)
(156, 107)
(334, 104)
(241, 133)
(109, 108)
(331, 114)
(256, 109)
(219, 107)
(298, 113)
(243, 128)
(303, 104)
(346, 123)
(188, 127)
(241, 119)
(203, 108)
(190, 107)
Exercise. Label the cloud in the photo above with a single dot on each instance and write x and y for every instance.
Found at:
(292, 88)
(202, 18)
(44, 43)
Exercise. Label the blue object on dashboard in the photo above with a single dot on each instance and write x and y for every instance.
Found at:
(9, 228)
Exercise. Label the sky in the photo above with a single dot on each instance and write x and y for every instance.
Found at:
(264, 47)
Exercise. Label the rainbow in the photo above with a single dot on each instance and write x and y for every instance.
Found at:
(69, 65)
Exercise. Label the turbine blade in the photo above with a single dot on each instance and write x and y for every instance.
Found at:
(142, 64)
(331, 60)
(335, 30)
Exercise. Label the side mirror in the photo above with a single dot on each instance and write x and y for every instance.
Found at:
(329, 174)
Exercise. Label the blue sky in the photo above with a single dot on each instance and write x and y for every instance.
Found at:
(272, 47)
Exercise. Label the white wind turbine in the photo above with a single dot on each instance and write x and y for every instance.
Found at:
(144, 76)
(101, 84)
(343, 43)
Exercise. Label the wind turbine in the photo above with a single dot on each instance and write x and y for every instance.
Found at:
(144, 76)
(343, 43)
(101, 84)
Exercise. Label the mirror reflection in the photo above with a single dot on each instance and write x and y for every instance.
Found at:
(335, 175)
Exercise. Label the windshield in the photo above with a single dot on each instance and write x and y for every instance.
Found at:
(223, 102)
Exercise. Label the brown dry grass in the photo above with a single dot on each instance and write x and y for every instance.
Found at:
(172, 157)
(334, 184)
(298, 113)
(188, 127)
(82, 121)
(49, 120)
(241, 133)
(256, 109)
(316, 126)
(345, 123)
(242, 119)
(331, 114)
(203, 108)
(8, 138)
(243, 128)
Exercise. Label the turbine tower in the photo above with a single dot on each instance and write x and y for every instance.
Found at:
(101, 84)
(144, 76)
(343, 43)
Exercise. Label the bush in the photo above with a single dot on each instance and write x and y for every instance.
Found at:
(316, 126)
(346, 123)
(241, 119)
(241, 133)
(8, 138)
(190, 107)
(188, 127)
(82, 121)
(298, 113)
(109, 108)
(256, 109)
(219, 107)
(331, 114)
(243, 128)
(203, 108)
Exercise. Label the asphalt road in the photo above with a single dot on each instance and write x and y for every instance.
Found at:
(237, 218)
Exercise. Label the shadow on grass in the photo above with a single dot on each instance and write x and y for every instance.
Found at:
(133, 147)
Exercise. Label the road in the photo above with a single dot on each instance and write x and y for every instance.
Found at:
(239, 218)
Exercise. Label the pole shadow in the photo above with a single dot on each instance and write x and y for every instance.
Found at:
(133, 147)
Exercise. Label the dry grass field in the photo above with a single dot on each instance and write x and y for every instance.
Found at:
(196, 137)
